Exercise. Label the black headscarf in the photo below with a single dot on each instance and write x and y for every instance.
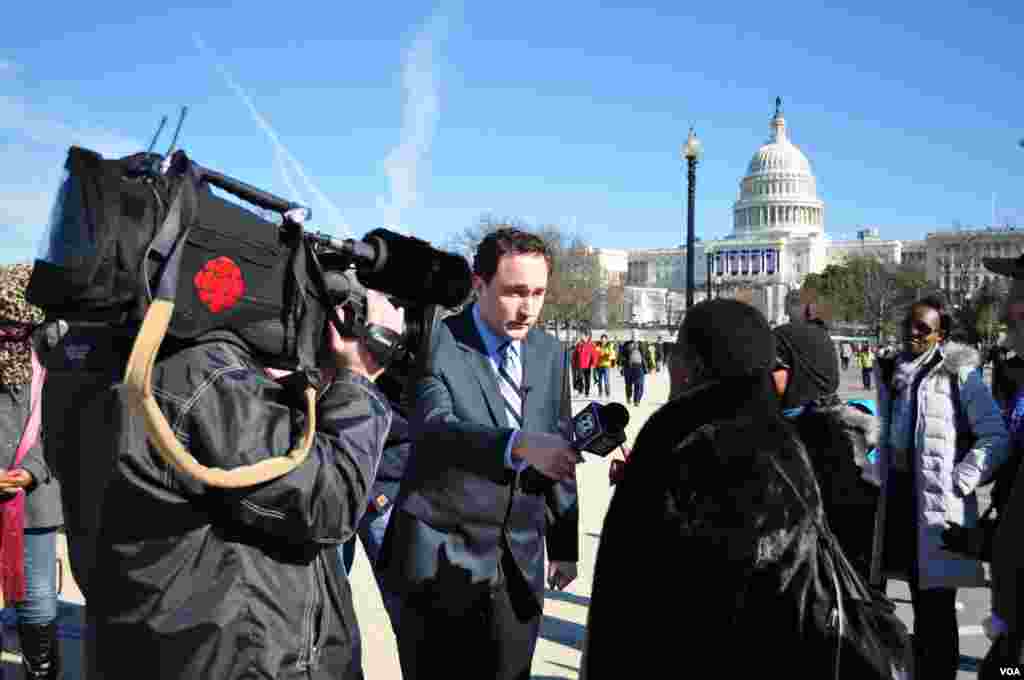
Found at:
(732, 339)
(813, 365)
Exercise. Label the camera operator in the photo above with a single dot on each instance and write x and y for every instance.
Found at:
(196, 582)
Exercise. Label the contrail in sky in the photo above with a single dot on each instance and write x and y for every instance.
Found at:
(282, 167)
(334, 216)
(421, 110)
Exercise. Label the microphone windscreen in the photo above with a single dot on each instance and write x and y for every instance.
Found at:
(614, 417)
(413, 270)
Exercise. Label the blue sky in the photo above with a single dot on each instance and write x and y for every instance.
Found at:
(428, 115)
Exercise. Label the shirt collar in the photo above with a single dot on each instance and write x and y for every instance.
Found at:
(492, 341)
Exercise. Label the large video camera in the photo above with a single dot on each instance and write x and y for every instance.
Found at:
(140, 249)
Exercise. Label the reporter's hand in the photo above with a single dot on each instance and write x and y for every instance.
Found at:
(549, 453)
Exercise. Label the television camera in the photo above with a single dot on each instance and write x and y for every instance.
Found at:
(140, 249)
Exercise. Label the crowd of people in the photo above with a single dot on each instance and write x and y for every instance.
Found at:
(750, 497)
(634, 358)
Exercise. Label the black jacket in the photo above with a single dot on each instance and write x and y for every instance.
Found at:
(459, 505)
(837, 438)
(697, 544)
(192, 582)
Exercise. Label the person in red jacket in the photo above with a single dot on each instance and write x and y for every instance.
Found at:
(586, 359)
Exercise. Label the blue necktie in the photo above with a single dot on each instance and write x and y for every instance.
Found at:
(509, 372)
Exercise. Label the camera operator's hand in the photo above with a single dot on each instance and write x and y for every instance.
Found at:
(550, 454)
(350, 353)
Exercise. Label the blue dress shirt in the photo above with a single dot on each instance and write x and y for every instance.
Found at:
(493, 344)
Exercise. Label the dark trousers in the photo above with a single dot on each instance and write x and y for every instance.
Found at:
(476, 632)
(866, 375)
(846, 362)
(586, 380)
(936, 635)
(634, 376)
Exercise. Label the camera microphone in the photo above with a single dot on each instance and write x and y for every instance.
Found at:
(599, 428)
(411, 269)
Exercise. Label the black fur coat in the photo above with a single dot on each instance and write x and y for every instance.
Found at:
(708, 563)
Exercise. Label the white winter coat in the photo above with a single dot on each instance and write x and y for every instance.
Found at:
(945, 492)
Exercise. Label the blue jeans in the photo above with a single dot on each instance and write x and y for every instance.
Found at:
(602, 379)
(371, 532)
(40, 605)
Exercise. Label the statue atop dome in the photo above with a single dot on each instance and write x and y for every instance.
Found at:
(778, 106)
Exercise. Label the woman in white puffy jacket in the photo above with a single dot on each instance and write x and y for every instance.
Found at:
(926, 395)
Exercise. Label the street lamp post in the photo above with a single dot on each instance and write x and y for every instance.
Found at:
(707, 271)
(691, 152)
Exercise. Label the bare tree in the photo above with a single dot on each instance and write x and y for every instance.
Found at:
(575, 281)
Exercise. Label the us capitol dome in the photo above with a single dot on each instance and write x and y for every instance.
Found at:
(778, 234)
(779, 192)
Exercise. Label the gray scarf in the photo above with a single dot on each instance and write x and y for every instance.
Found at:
(906, 368)
(902, 398)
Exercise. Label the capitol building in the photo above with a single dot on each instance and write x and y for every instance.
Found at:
(778, 234)
(778, 237)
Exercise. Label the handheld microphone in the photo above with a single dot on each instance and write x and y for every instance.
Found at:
(599, 428)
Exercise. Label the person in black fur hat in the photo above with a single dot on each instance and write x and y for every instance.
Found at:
(702, 522)
(838, 437)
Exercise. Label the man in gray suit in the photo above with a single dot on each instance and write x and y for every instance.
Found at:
(491, 478)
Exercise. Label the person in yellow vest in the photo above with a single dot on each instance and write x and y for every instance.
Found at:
(606, 352)
(866, 361)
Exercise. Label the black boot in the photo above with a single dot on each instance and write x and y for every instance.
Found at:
(39, 651)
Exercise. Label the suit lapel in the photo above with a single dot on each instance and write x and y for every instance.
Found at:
(475, 352)
(533, 377)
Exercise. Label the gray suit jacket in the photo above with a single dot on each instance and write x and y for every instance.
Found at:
(459, 505)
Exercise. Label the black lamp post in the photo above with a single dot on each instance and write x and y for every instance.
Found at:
(691, 152)
(707, 295)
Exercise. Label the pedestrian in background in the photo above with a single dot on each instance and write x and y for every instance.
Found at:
(587, 362)
(577, 371)
(606, 352)
(635, 367)
(926, 396)
(845, 355)
(652, 358)
(866, 361)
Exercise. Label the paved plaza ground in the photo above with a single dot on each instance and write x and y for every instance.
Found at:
(565, 613)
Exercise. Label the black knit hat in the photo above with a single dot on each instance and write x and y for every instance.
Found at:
(808, 351)
(732, 339)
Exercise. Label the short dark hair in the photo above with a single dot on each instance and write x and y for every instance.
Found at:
(507, 241)
(939, 305)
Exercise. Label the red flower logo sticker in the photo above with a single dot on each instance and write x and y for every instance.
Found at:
(219, 284)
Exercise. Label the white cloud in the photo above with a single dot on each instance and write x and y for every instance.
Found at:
(405, 164)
